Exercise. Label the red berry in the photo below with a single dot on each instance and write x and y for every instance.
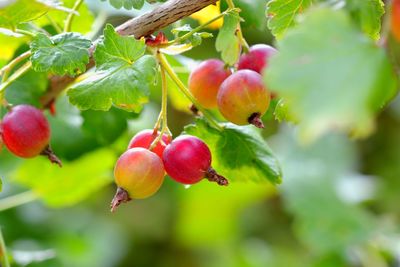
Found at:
(139, 174)
(204, 81)
(243, 98)
(146, 137)
(188, 160)
(257, 58)
(396, 19)
(26, 132)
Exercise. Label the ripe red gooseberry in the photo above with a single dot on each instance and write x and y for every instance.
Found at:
(139, 173)
(188, 160)
(243, 98)
(257, 58)
(204, 81)
(26, 133)
(146, 137)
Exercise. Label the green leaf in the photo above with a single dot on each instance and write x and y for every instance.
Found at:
(239, 153)
(20, 11)
(127, 4)
(227, 41)
(282, 14)
(94, 121)
(368, 15)
(196, 38)
(331, 75)
(70, 184)
(66, 53)
(198, 211)
(324, 220)
(123, 75)
(68, 122)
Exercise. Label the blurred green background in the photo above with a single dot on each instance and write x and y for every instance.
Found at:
(338, 205)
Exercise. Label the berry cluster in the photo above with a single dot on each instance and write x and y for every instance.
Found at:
(25, 131)
(140, 171)
(241, 97)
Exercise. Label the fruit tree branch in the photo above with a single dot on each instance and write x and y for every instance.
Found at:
(144, 25)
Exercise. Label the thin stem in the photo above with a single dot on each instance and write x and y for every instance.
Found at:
(28, 33)
(164, 64)
(164, 103)
(27, 66)
(68, 23)
(199, 28)
(17, 200)
(54, 24)
(3, 252)
(5, 71)
(239, 33)
(158, 123)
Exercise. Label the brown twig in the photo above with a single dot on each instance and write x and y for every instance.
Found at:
(141, 26)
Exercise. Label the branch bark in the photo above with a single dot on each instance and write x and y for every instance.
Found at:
(145, 25)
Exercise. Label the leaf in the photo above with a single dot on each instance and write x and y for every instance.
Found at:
(94, 121)
(198, 211)
(323, 219)
(282, 14)
(330, 75)
(127, 4)
(66, 53)
(20, 11)
(227, 41)
(123, 75)
(239, 153)
(368, 15)
(70, 184)
(195, 39)
(67, 123)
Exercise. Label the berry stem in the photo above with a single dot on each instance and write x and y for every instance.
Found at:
(255, 119)
(51, 156)
(68, 22)
(239, 32)
(121, 196)
(213, 176)
(158, 123)
(27, 33)
(171, 73)
(163, 118)
(5, 71)
(3, 252)
(17, 200)
(18, 73)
